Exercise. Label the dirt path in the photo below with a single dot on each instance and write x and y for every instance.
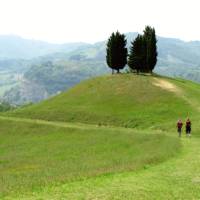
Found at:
(50, 123)
(166, 85)
(68, 124)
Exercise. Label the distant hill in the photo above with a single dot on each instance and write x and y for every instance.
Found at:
(15, 47)
(47, 79)
(59, 67)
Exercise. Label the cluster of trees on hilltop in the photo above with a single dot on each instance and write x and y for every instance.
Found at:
(142, 56)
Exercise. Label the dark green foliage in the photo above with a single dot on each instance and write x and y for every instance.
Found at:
(151, 48)
(116, 51)
(135, 60)
(143, 51)
(4, 106)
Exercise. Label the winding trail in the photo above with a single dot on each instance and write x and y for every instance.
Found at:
(50, 123)
(74, 125)
(167, 85)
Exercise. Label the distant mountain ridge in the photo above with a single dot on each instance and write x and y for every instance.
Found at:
(16, 47)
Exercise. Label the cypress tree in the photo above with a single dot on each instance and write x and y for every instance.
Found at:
(151, 49)
(135, 59)
(116, 51)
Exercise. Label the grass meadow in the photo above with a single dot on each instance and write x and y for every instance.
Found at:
(34, 156)
(113, 137)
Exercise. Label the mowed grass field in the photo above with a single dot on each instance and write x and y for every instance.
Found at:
(113, 137)
(36, 155)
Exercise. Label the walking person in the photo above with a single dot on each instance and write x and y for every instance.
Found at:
(188, 127)
(179, 127)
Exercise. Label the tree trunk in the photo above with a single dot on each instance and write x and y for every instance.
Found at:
(112, 71)
(118, 71)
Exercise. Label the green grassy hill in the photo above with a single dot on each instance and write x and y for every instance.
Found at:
(112, 137)
(121, 100)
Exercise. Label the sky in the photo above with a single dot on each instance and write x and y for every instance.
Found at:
(61, 21)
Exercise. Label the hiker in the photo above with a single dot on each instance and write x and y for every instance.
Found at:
(188, 126)
(179, 127)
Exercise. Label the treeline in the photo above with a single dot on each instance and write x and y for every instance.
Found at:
(142, 56)
(4, 106)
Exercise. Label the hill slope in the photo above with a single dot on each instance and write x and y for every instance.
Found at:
(121, 100)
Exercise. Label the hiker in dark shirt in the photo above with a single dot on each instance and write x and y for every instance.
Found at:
(179, 127)
(188, 127)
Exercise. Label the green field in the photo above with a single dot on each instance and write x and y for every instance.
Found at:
(112, 137)
(121, 100)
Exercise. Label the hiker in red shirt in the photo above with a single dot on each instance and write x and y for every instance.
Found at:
(179, 127)
(188, 126)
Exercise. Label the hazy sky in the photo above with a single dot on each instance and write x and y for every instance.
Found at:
(94, 20)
